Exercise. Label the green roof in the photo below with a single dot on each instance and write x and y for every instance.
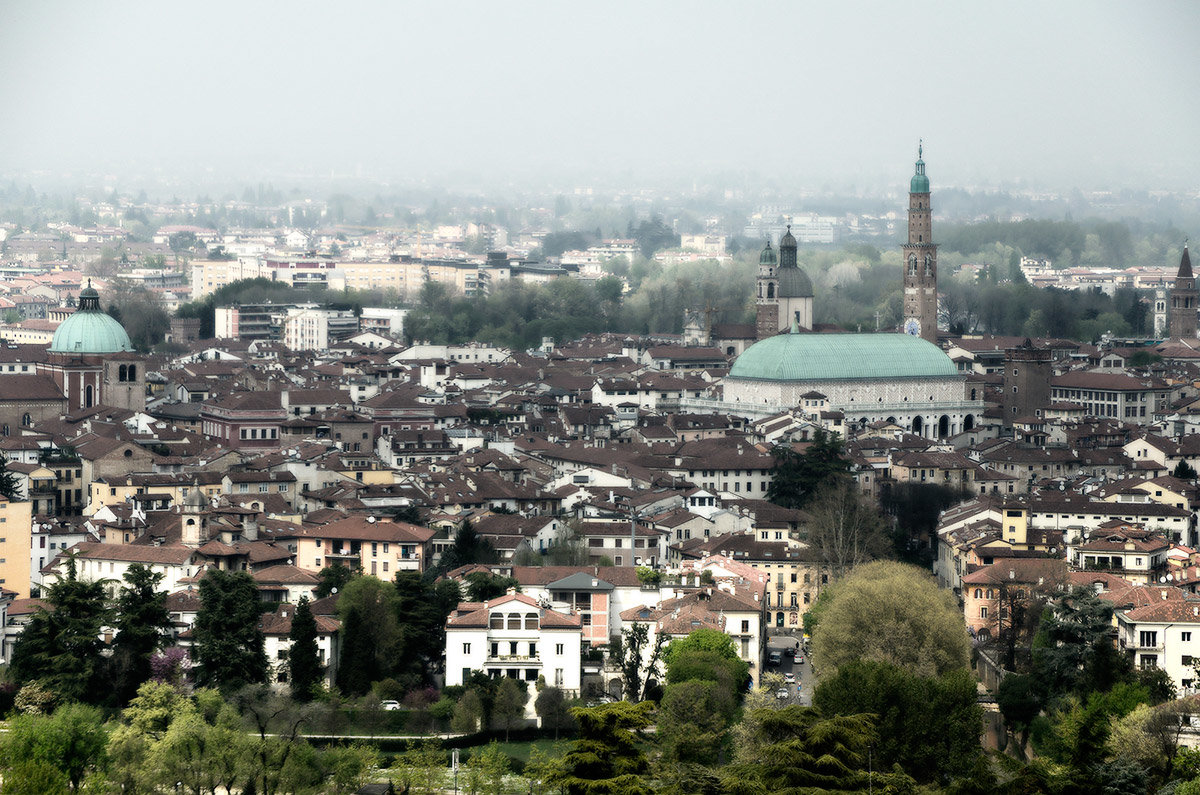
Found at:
(89, 330)
(920, 182)
(838, 357)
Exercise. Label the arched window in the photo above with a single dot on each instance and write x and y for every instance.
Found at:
(531, 621)
(496, 621)
(514, 620)
(771, 290)
(122, 373)
(989, 593)
(133, 372)
(928, 265)
(978, 593)
(912, 265)
(27, 419)
(89, 397)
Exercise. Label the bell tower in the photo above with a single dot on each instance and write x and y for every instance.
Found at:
(1184, 299)
(920, 259)
(767, 300)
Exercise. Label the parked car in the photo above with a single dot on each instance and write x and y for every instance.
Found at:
(789, 677)
(774, 658)
(782, 693)
(390, 706)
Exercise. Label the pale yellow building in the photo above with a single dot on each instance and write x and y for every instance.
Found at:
(16, 545)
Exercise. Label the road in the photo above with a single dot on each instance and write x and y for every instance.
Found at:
(799, 692)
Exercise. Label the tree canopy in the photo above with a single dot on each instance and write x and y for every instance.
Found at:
(893, 613)
(229, 642)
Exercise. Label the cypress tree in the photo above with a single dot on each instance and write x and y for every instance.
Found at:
(303, 660)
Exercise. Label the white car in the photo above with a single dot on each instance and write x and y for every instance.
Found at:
(789, 677)
(782, 693)
(390, 706)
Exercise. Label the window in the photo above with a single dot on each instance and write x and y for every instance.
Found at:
(1186, 637)
(745, 625)
(496, 621)
(558, 648)
(1148, 639)
(983, 612)
(532, 649)
(514, 621)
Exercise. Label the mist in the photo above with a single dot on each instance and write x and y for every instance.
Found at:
(833, 95)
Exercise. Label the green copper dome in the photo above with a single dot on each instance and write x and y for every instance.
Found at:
(920, 182)
(839, 357)
(767, 257)
(89, 330)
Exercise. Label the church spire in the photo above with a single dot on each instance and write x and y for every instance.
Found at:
(1185, 264)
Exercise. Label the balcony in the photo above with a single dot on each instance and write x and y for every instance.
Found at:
(524, 659)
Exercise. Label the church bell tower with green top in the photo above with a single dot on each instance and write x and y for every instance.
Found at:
(920, 260)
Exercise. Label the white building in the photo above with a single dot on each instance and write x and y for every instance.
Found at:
(1164, 634)
(514, 636)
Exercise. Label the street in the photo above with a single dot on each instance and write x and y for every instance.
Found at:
(799, 691)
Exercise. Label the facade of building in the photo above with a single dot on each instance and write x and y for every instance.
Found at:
(514, 636)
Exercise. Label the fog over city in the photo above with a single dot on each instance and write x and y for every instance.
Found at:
(823, 95)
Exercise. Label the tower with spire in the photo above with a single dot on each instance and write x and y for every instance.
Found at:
(766, 302)
(1185, 300)
(920, 259)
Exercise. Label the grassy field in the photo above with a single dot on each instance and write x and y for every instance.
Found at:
(521, 750)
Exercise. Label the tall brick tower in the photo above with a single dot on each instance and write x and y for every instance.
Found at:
(920, 260)
(1184, 299)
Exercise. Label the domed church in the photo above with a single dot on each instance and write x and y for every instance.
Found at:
(91, 359)
(900, 378)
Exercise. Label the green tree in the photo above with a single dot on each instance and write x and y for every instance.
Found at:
(469, 547)
(304, 660)
(421, 609)
(1184, 471)
(797, 476)
(797, 749)
(693, 717)
(509, 705)
(482, 586)
(333, 579)
(551, 707)
(893, 613)
(1073, 650)
(707, 655)
(486, 770)
(1019, 703)
(71, 741)
(143, 625)
(468, 713)
(10, 487)
(607, 757)
(370, 637)
(229, 641)
(61, 646)
(928, 726)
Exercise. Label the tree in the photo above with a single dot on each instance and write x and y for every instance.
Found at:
(304, 661)
(892, 613)
(61, 646)
(334, 578)
(1019, 703)
(639, 660)
(71, 741)
(10, 487)
(797, 476)
(229, 641)
(421, 609)
(607, 756)
(927, 725)
(370, 637)
(692, 719)
(468, 713)
(1073, 650)
(710, 655)
(509, 705)
(482, 586)
(468, 547)
(844, 529)
(142, 624)
(1183, 470)
(551, 707)
(797, 749)
(486, 769)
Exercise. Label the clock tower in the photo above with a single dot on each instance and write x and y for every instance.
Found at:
(920, 260)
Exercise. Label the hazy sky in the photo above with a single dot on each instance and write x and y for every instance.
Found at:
(1094, 94)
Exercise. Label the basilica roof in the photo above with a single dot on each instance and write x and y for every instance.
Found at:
(832, 357)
